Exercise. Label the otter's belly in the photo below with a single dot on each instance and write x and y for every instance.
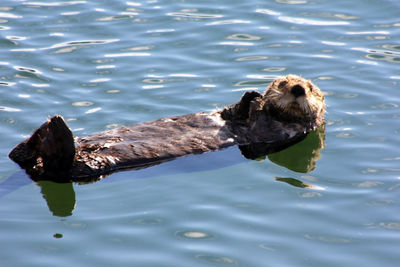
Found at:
(149, 143)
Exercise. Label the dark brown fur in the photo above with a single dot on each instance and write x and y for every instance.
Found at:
(284, 114)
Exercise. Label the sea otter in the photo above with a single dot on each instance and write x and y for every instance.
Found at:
(260, 124)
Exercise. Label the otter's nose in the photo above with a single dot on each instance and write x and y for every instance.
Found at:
(297, 91)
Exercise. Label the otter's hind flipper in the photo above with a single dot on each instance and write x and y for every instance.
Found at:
(50, 149)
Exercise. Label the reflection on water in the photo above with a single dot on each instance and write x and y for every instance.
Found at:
(60, 198)
(297, 183)
(301, 157)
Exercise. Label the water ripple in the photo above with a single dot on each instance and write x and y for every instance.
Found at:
(229, 21)
(9, 15)
(182, 75)
(40, 85)
(297, 20)
(292, 2)
(251, 83)
(275, 69)
(262, 77)
(139, 48)
(391, 47)
(321, 56)
(116, 17)
(268, 12)
(24, 96)
(7, 83)
(194, 15)
(82, 104)
(132, 54)
(243, 37)
(26, 69)
(160, 30)
(193, 235)
(81, 42)
(72, 13)
(54, 4)
(23, 49)
(8, 109)
(252, 58)
(368, 32)
(376, 54)
(333, 43)
(93, 110)
(217, 259)
(148, 87)
(154, 80)
(376, 51)
(16, 38)
(133, 4)
(100, 80)
(102, 67)
(236, 43)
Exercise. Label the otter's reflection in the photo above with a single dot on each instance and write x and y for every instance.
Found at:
(60, 197)
(300, 157)
(297, 183)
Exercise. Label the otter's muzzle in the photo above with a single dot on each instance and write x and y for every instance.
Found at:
(297, 91)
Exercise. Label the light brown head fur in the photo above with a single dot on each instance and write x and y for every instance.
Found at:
(295, 99)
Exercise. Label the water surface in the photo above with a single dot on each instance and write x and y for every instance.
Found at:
(104, 64)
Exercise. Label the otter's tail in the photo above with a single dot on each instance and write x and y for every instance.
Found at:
(49, 150)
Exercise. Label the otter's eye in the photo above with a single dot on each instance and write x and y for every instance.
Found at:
(282, 84)
(311, 88)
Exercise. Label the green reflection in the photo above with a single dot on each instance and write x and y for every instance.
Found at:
(57, 235)
(294, 182)
(60, 197)
(301, 157)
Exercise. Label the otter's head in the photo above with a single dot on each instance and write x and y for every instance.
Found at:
(295, 99)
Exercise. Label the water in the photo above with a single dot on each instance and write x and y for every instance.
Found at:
(103, 64)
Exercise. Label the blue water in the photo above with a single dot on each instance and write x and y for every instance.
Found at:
(103, 64)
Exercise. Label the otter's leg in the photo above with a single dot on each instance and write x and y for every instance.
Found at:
(243, 109)
(50, 149)
(58, 147)
(240, 110)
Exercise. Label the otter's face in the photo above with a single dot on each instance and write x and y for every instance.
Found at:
(296, 98)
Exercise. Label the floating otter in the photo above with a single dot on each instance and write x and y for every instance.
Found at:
(260, 124)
